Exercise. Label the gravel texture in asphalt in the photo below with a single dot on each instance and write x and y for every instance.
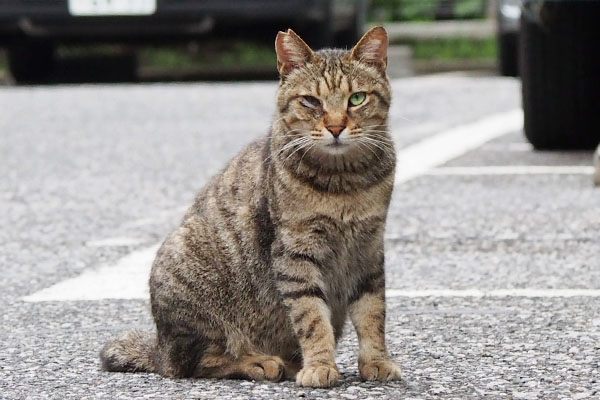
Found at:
(82, 164)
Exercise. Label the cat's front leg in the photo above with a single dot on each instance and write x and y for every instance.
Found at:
(299, 282)
(367, 312)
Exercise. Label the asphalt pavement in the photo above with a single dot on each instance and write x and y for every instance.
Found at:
(493, 272)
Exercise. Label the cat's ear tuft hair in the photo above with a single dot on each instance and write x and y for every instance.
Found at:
(372, 48)
(292, 52)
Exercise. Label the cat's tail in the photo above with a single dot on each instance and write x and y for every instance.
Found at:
(132, 351)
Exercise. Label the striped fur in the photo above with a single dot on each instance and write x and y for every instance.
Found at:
(286, 241)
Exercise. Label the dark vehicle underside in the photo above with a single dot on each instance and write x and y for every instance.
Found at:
(31, 29)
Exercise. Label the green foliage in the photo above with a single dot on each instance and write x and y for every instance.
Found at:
(469, 8)
(454, 49)
(417, 10)
(423, 10)
(249, 53)
(227, 53)
(166, 57)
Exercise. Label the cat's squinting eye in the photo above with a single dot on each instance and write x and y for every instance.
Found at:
(310, 102)
(357, 99)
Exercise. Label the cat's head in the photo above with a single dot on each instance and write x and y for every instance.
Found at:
(333, 101)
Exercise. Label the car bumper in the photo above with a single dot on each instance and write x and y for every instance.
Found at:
(51, 18)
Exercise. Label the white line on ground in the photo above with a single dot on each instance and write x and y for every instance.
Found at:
(514, 170)
(517, 147)
(128, 278)
(417, 159)
(156, 218)
(528, 292)
(115, 242)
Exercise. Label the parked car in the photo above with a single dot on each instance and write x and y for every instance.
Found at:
(597, 167)
(31, 29)
(559, 56)
(508, 13)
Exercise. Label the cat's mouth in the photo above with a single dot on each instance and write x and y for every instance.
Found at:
(336, 147)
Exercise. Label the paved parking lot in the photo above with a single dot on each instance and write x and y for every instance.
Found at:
(493, 272)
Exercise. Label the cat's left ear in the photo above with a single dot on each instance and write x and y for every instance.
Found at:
(292, 52)
(372, 48)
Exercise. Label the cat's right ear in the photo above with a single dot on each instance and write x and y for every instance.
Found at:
(292, 52)
(372, 48)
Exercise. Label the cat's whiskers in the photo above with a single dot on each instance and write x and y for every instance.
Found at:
(294, 132)
(377, 137)
(367, 127)
(379, 142)
(384, 140)
(373, 145)
(294, 143)
(305, 153)
(406, 119)
(372, 141)
(277, 120)
(365, 145)
(381, 132)
(302, 146)
(285, 147)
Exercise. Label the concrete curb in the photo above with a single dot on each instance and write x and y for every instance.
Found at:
(413, 31)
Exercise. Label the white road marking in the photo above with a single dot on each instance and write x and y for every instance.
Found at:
(156, 218)
(514, 170)
(529, 292)
(115, 242)
(515, 147)
(128, 278)
(417, 159)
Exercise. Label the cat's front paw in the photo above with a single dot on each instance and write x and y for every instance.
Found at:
(380, 370)
(318, 376)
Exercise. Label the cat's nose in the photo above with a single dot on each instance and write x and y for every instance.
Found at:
(335, 129)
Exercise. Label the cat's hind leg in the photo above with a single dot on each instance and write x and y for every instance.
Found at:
(187, 356)
(216, 364)
(179, 352)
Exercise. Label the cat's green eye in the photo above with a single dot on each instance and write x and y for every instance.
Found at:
(357, 99)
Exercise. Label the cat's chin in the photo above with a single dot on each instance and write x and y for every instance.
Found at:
(336, 148)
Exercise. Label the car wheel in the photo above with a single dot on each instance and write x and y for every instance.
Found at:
(560, 73)
(30, 61)
(508, 54)
(597, 167)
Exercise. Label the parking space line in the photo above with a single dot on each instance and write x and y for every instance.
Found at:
(527, 292)
(128, 278)
(514, 170)
(417, 159)
(120, 241)
(514, 147)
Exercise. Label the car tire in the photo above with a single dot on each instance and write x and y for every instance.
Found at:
(508, 60)
(30, 61)
(560, 73)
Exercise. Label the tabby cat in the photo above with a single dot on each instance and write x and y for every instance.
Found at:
(287, 240)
